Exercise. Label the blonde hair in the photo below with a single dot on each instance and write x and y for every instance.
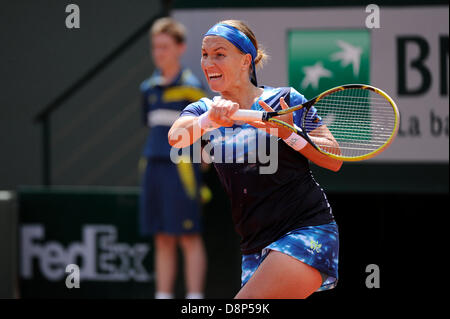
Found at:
(170, 27)
(261, 55)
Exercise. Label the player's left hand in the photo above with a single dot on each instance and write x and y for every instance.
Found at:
(273, 128)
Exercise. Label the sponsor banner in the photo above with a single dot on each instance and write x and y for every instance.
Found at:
(99, 255)
(333, 57)
(82, 244)
(402, 50)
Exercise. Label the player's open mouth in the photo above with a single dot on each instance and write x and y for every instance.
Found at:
(214, 76)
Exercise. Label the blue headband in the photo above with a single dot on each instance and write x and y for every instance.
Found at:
(239, 40)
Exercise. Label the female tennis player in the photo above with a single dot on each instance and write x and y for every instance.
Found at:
(289, 239)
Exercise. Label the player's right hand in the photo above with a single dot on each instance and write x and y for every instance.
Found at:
(221, 110)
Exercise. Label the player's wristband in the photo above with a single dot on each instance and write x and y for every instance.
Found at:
(206, 123)
(295, 141)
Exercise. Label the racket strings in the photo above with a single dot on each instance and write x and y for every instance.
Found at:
(360, 120)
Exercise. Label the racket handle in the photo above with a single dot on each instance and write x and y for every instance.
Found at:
(247, 115)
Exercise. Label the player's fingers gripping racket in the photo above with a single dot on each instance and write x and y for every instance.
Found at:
(363, 120)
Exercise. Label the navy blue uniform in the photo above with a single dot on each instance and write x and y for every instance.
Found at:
(285, 209)
(267, 206)
(170, 192)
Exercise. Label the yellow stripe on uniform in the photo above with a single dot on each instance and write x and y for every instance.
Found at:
(180, 93)
(187, 177)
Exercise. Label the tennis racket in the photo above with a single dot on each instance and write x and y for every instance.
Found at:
(363, 120)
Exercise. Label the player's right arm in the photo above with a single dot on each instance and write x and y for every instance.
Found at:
(185, 131)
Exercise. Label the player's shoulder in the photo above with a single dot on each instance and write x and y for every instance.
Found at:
(296, 97)
(204, 103)
(271, 92)
(277, 92)
(197, 108)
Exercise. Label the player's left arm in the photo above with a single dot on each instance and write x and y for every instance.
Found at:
(323, 137)
(307, 150)
(320, 159)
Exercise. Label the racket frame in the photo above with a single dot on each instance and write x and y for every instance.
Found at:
(270, 117)
(356, 86)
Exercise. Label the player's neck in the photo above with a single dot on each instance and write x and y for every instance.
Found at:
(244, 95)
